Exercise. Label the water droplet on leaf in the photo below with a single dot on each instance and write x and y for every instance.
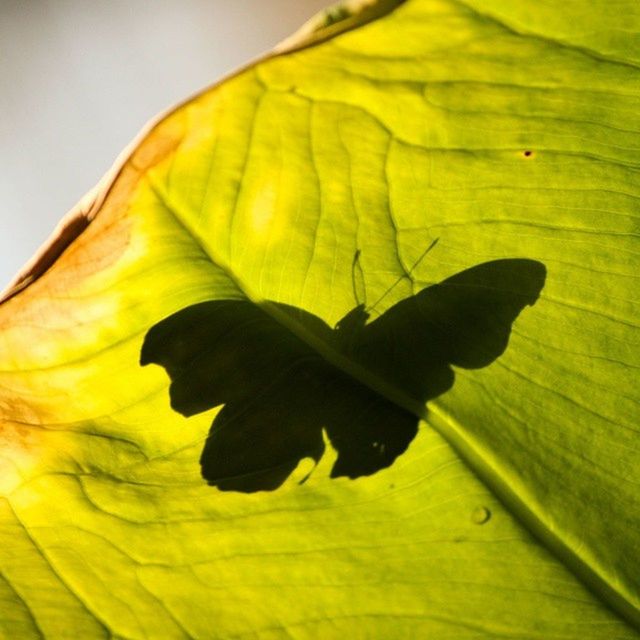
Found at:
(481, 515)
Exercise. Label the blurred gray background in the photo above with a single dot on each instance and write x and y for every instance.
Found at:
(79, 78)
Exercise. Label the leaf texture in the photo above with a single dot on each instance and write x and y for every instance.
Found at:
(304, 188)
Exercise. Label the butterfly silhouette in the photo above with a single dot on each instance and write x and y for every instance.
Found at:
(279, 393)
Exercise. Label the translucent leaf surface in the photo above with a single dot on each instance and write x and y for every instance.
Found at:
(239, 397)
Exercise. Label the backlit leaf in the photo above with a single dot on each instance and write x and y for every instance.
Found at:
(239, 397)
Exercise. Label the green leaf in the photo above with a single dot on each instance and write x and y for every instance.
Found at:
(239, 397)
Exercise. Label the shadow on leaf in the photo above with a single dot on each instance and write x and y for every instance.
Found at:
(279, 393)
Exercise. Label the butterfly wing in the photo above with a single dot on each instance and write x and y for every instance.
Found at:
(224, 351)
(367, 431)
(464, 320)
(254, 444)
(232, 352)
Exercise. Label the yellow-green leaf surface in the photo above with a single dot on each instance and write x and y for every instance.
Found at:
(310, 183)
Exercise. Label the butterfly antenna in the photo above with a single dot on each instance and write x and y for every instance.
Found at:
(356, 257)
(402, 277)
